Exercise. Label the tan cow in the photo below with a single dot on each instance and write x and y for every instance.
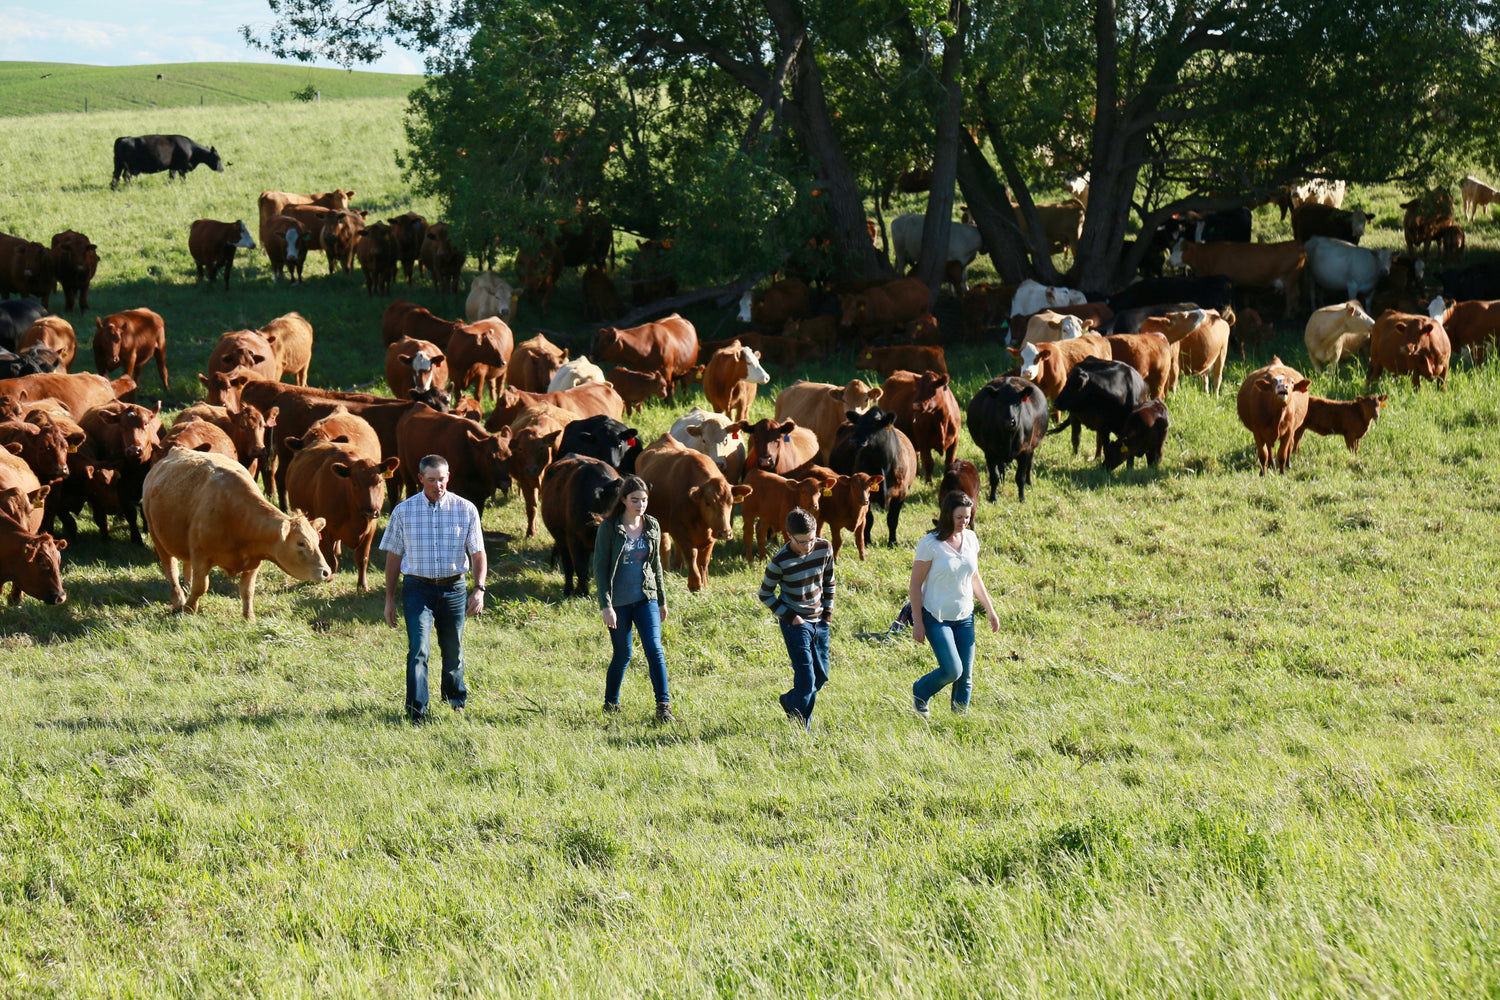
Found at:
(1147, 353)
(291, 340)
(199, 435)
(533, 363)
(1272, 404)
(54, 332)
(205, 509)
(820, 407)
(78, 392)
(1335, 332)
(1200, 344)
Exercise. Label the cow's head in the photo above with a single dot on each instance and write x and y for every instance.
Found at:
(366, 480)
(297, 552)
(107, 333)
(40, 570)
(491, 454)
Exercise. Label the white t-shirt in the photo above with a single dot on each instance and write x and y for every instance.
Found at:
(948, 591)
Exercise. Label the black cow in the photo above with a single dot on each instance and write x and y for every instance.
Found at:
(151, 154)
(16, 317)
(1480, 280)
(1144, 435)
(1007, 420)
(38, 359)
(576, 491)
(869, 442)
(1100, 395)
(1210, 292)
(1130, 320)
(604, 438)
(1229, 226)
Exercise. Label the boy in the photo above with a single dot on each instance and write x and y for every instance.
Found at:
(802, 572)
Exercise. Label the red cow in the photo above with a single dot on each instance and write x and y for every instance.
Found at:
(771, 499)
(247, 427)
(730, 380)
(243, 349)
(1350, 420)
(601, 301)
(414, 364)
(127, 437)
(636, 387)
(128, 339)
(376, 250)
(74, 261)
(587, 400)
(285, 242)
(533, 363)
(884, 310)
(409, 229)
(1408, 344)
(668, 345)
(1147, 353)
(21, 493)
(778, 446)
(213, 243)
(30, 563)
(199, 435)
(43, 444)
(443, 261)
(343, 428)
(926, 412)
(845, 506)
(1272, 404)
(477, 355)
(535, 436)
(885, 361)
(1474, 325)
(691, 499)
(407, 319)
(333, 483)
(478, 463)
(274, 203)
(339, 236)
(26, 269)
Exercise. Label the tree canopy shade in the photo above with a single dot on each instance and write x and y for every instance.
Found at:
(747, 127)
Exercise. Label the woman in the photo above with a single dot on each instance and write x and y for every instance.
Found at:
(944, 582)
(629, 581)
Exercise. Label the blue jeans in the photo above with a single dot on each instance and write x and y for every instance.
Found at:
(807, 645)
(646, 617)
(953, 645)
(426, 608)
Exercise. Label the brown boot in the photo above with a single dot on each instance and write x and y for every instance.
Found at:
(664, 713)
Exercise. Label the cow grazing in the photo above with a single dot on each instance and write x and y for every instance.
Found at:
(409, 229)
(477, 354)
(1272, 404)
(1406, 344)
(1335, 332)
(964, 244)
(414, 364)
(127, 339)
(1007, 419)
(151, 154)
(376, 250)
(478, 463)
(213, 244)
(291, 340)
(442, 260)
(716, 436)
(54, 333)
(926, 411)
(199, 435)
(205, 509)
(74, 262)
(407, 319)
(536, 435)
(1476, 195)
(692, 500)
(771, 499)
(1100, 395)
(731, 378)
(886, 361)
(820, 407)
(576, 492)
(1143, 436)
(601, 300)
(636, 387)
(30, 563)
(1350, 420)
(668, 345)
(579, 371)
(1200, 344)
(869, 443)
(285, 242)
(334, 484)
(489, 295)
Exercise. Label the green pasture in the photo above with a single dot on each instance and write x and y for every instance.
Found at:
(1236, 737)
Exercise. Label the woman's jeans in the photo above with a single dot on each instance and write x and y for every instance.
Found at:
(807, 646)
(953, 645)
(646, 617)
(428, 608)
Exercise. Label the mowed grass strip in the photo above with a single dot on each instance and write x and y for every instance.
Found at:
(1236, 736)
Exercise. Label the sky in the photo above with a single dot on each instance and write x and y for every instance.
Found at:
(143, 32)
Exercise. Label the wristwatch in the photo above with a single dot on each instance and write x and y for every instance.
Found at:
(477, 590)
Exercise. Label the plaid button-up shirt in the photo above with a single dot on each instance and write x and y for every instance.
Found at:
(434, 539)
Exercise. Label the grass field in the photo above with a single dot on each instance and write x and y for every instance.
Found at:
(1236, 737)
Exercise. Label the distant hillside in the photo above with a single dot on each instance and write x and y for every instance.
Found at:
(47, 88)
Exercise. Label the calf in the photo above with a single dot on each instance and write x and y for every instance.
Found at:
(1047, 327)
(409, 228)
(213, 244)
(1048, 365)
(636, 387)
(128, 438)
(248, 429)
(285, 240)
(1144, 435)
(74, 262)
(376, 249)
(845, 506)
(1350, 420)
(1100, 395)
(778, 446)
(1008, 420)
(339, 237)
(1272, 404)
(771, 499)
(962, 475)
(128, 339)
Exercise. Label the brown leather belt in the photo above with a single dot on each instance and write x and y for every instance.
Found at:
(441, 581)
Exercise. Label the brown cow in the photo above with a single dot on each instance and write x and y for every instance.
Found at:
(291, 340)
(128, 339)
(77, 393)
(845, 506)
(21, 492)
(312, 219)
(339, 236)
(1266, 266)
(376, 250)
(407, 319)
(535, 436)
(242, 349)
(128, 437)
(771, 499)
(650, 277)
(44, 444)
(409, 229)
(636, 387)
(478, 463)
(414, 364)
(53, 332)
(539, 270)
(1147, 353)
(274, 203)
(778, 446)
(342, 428)
(985, 308)
(26, 269)
(286, 244)
(477, 354)
(668, 345)
(74, 262)
(443, 261)
(691, 499)
(822, 332)
(884, 310)
(927, 412)
(30, 563)
(213, 243)
(601, 300)
(1350, 420)
(1200, 341)
(1049, 364)
(248, 428)
(224, 388)
(205, 509)
(731, 378)
(820, 407)
(1408, 344)
(780, 302)
(199, 435)
(1474, 325)
(587, 400)
(885, 361)
(962, 475)
(335, 484)
(534, 362)
(1272, 404)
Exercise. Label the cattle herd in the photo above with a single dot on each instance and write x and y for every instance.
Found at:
(527, 413)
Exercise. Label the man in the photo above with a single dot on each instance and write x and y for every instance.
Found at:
(434, 539)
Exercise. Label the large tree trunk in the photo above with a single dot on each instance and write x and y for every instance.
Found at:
(936, 228)
(990, 207)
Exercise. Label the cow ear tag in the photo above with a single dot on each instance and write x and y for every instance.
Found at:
(736, 435)
(630, 443)
(828, 492)
(786, 437)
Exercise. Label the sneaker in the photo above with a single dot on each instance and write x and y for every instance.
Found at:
(919, 705)
(611, 708)
(664, 713)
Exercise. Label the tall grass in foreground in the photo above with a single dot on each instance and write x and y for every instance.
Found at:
(1236, 737)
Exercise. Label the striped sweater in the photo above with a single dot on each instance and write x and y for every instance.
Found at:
(805, 582)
